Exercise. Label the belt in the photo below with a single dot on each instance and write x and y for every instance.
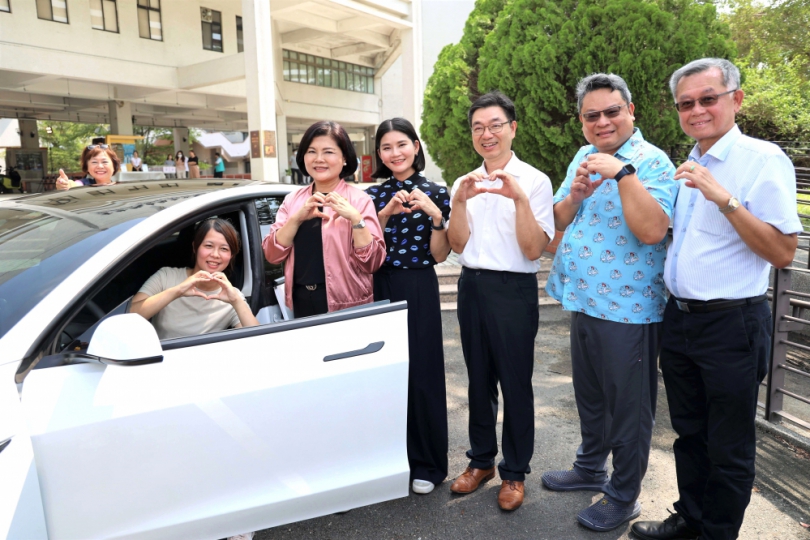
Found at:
(698, 306)
(310, 287)
(504, 273)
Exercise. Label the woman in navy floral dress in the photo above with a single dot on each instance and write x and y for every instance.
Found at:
(413, 213)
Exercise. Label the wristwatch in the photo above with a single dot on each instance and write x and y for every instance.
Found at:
(360, 225)
(733, 204)
(627, 169)
(441, 225)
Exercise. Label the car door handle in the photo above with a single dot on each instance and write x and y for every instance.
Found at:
(5, 442)
(370, 348)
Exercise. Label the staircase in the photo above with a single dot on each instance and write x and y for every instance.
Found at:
(449, 271)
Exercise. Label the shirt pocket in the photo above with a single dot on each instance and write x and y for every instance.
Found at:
(711, 221)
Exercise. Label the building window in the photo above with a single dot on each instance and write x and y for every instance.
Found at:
(211, 29)
(308, 69)
(6, 6)
(52, 10)
(104, 15)
(240, 41)
(149, 25)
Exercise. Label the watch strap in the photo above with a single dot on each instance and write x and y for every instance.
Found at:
(733, 204)
(627, 169)
(360, 225)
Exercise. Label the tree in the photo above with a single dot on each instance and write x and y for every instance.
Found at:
(66, 142)
(537, 50)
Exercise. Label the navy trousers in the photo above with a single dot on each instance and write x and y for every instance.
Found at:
(498, 321)
(713, 364)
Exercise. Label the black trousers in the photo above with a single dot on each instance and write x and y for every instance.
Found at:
(713, 364)
(297, 176)
(498, 320)
(218, 174)
(307, 303)
(427, 397)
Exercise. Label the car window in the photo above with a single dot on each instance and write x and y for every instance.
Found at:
(266, 210)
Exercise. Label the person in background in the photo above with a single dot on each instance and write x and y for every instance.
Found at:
(170, 163)
(180, 164)
(193, 165)
(219, 165)
(503, 219)
(295, 170)
(99, 164)
(136, 161)
(413, 212)
(197, 300)
(327, 235)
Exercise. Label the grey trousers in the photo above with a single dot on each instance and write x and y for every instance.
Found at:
(616, 386)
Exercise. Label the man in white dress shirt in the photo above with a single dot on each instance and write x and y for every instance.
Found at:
(735, 216)
(502, 219)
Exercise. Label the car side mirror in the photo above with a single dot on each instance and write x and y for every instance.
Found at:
(123, 340)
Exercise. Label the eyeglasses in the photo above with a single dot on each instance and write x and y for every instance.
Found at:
(705, 101)
(610, 112)
(493, 128)
(102, 146)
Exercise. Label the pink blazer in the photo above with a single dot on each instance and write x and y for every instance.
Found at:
(348, 269)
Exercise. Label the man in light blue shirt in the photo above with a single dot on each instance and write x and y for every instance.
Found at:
(615, 206)
(735, 217)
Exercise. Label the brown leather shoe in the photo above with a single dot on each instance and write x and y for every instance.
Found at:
(470, 479)
(511, 495)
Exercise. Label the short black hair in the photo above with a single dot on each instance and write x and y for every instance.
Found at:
(339, 135)
(493, 99)
(216, 153)
(406, 128)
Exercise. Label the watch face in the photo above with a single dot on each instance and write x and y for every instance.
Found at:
(630, 169)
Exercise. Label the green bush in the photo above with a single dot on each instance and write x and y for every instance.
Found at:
(535, 52)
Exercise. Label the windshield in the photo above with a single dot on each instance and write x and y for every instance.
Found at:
(45, 238)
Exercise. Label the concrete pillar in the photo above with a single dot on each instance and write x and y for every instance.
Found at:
(120, 117)
(281, 146)
(260, 84)
(181, 140)
(27, 127)
(412, 86)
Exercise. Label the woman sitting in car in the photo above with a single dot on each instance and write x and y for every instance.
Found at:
(193, 301)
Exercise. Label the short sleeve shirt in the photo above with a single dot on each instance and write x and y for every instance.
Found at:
(601, 268)
(407, 236)
(188, 315)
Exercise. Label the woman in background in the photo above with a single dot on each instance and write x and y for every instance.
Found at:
(193, 165)
(180, 163)
(413, 212)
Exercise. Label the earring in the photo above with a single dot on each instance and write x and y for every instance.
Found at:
(344, 163)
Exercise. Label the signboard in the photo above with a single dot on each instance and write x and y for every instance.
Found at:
(129, 149)
(366, 169)
(255, 145)
(269, 144)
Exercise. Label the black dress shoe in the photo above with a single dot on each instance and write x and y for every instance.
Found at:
(672, 528)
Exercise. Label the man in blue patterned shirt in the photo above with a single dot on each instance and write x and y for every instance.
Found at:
(614, 205)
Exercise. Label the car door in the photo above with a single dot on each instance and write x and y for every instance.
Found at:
(233, 431)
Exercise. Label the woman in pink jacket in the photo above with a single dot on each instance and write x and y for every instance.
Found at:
(326, 233)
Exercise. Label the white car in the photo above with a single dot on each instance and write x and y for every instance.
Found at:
(107, 432)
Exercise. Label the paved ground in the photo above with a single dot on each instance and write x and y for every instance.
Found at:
(780, 502)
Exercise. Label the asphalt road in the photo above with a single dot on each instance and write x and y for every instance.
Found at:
(780, 502)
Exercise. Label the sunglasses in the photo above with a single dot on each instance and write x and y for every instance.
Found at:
(705, 101)
(610, 112)
(102, 146)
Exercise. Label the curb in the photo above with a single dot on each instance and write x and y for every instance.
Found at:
(789, 435)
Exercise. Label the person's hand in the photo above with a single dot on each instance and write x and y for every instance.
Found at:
(468, 187)
(605, 165)
(189, 286)
(311, 209)
(63, 182)
(420, 201)
(509, 186)
(397, 204)
(227, 292)
(582, 187)
(699, 177)
(342, 208)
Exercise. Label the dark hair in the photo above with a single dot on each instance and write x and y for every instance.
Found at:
(406, 128)
(493, 99)
(598, 81)
(90, 153)
(224, 228)
(179, 153)
(216, 153)
(192, 152)
(339, 135)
